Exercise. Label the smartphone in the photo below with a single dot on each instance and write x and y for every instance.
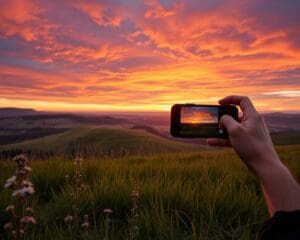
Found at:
(199, 121)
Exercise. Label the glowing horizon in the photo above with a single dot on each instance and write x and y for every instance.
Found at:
(147, 55)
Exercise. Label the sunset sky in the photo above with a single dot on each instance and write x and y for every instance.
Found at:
(199, 115)
(125, 55)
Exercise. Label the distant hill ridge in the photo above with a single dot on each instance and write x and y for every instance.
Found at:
(283, 120)
(13, 112)
(78, 118)
(276, 121)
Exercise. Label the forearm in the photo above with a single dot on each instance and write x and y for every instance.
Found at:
(281, 190)
(268, 201)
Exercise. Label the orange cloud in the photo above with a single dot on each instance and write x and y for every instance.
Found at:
(99, 13)
(15, 18)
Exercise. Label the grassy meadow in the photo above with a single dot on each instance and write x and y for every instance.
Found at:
(182, 195)
(97, 142)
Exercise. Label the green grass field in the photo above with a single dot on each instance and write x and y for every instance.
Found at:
(204, 195)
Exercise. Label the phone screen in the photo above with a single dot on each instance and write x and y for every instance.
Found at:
(199, 121)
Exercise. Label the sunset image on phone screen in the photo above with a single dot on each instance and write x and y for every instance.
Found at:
(199, 121)
(198, 115)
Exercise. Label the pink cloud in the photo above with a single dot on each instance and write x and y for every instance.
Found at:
(99, 13)
(16, 17)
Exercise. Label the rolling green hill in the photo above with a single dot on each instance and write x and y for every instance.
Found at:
(104, 142)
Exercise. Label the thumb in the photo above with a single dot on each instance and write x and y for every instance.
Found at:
(232, 126)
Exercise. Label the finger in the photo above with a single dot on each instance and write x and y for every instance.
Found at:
(230, 124)
(242, 101)
(240, 118)
(218, 142)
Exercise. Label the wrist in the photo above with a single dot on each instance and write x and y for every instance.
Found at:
(267, 165)
(270, 167)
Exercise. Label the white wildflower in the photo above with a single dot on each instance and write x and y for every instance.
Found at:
(28, 220)
(20, 159)
(10, 182)
(23, 192)
(29, 210)
(107, 211)
(26, 183)
(23, 170)
(10, 208)
(85, 225)
(8, 226)
(68, 219)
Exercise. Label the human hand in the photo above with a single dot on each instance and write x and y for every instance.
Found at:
(250, 137)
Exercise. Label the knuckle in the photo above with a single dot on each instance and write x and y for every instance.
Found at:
(245, 99)
(258, 117)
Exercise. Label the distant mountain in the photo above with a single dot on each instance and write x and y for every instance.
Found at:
(57, 120)
(282, 122)
(14, 112)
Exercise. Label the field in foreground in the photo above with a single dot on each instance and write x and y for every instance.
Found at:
(206, 195)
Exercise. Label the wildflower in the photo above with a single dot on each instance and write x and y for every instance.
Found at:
(26, 183)
(134, 229)
(10, 183)
(22, 232)
(29, 210)
(107, 212)
(85, 225)
(69, 219)
(23, 192)
(23, 170)
(10, 208)
(135, 194)
(21, 188)
(78, 160)
(21, 159)
(81, 187)
(77, 187)
(8, 226)
(28, 220)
